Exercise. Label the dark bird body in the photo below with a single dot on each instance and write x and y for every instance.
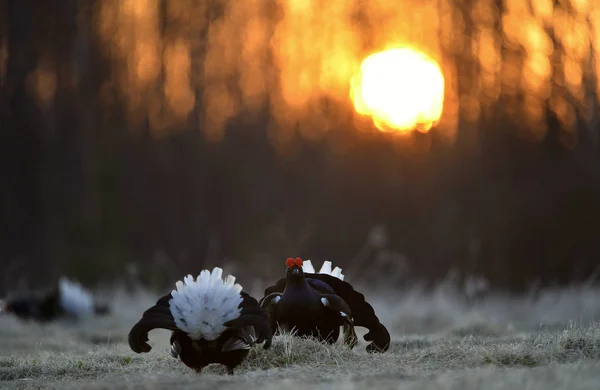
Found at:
(198, 354)
(193, 339)
(317, 304)
(300, 309)
(46, 306)
(42, 308)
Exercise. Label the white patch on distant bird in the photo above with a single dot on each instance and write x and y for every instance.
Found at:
(201, 307)
(277, 299)
(74, 299)
(308, 268)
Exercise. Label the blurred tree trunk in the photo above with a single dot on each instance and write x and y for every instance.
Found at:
(21, 153)
(62, 173)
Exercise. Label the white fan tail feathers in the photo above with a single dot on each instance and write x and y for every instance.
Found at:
(337, 272)
(307, 267)
(201, 307)
(326, 268)
(74, 299)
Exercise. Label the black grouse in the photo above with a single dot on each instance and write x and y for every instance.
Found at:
(317, 304)
(68, 299)
(212, 321)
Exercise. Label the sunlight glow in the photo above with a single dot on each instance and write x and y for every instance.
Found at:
(401, 89)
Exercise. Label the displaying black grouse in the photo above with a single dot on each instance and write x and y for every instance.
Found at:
(68, 299)
(317, 304)
(213, 321)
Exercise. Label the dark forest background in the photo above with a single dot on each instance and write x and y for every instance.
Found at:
(88, 192)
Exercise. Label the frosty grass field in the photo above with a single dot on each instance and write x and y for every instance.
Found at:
(551, 341)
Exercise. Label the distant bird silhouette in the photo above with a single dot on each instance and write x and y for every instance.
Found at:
(317, 304)
(213, 321)
(68, 299)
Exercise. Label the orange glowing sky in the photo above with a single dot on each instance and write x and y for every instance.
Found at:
(291, 56)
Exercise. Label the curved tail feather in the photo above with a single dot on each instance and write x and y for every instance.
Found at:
(363, 313)
(157, 317)
(380, 338)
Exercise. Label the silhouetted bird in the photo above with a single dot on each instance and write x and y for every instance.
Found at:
(213, 321)
(317, 304)
(67, 300)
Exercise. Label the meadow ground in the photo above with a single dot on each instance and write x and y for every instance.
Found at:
(551, 341)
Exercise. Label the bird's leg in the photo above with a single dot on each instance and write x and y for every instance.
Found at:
(230, 370)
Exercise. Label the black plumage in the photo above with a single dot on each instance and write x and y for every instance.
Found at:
(296, 302)
(43, 306)
(229, 349)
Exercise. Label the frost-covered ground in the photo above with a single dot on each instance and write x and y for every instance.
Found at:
(439, 341)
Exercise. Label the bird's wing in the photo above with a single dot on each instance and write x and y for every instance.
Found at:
(158, 316)
(270, 300)
(333, 302)
(337, 304)
(363, 313)
(277, 287)
(319, 285)
(242, 338)
(252, 315)
(269, 303)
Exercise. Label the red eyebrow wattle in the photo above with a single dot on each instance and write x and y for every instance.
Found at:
(289, 262)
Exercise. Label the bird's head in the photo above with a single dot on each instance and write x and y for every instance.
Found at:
(294, 268)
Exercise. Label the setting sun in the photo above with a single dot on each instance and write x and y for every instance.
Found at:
(400, 89)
